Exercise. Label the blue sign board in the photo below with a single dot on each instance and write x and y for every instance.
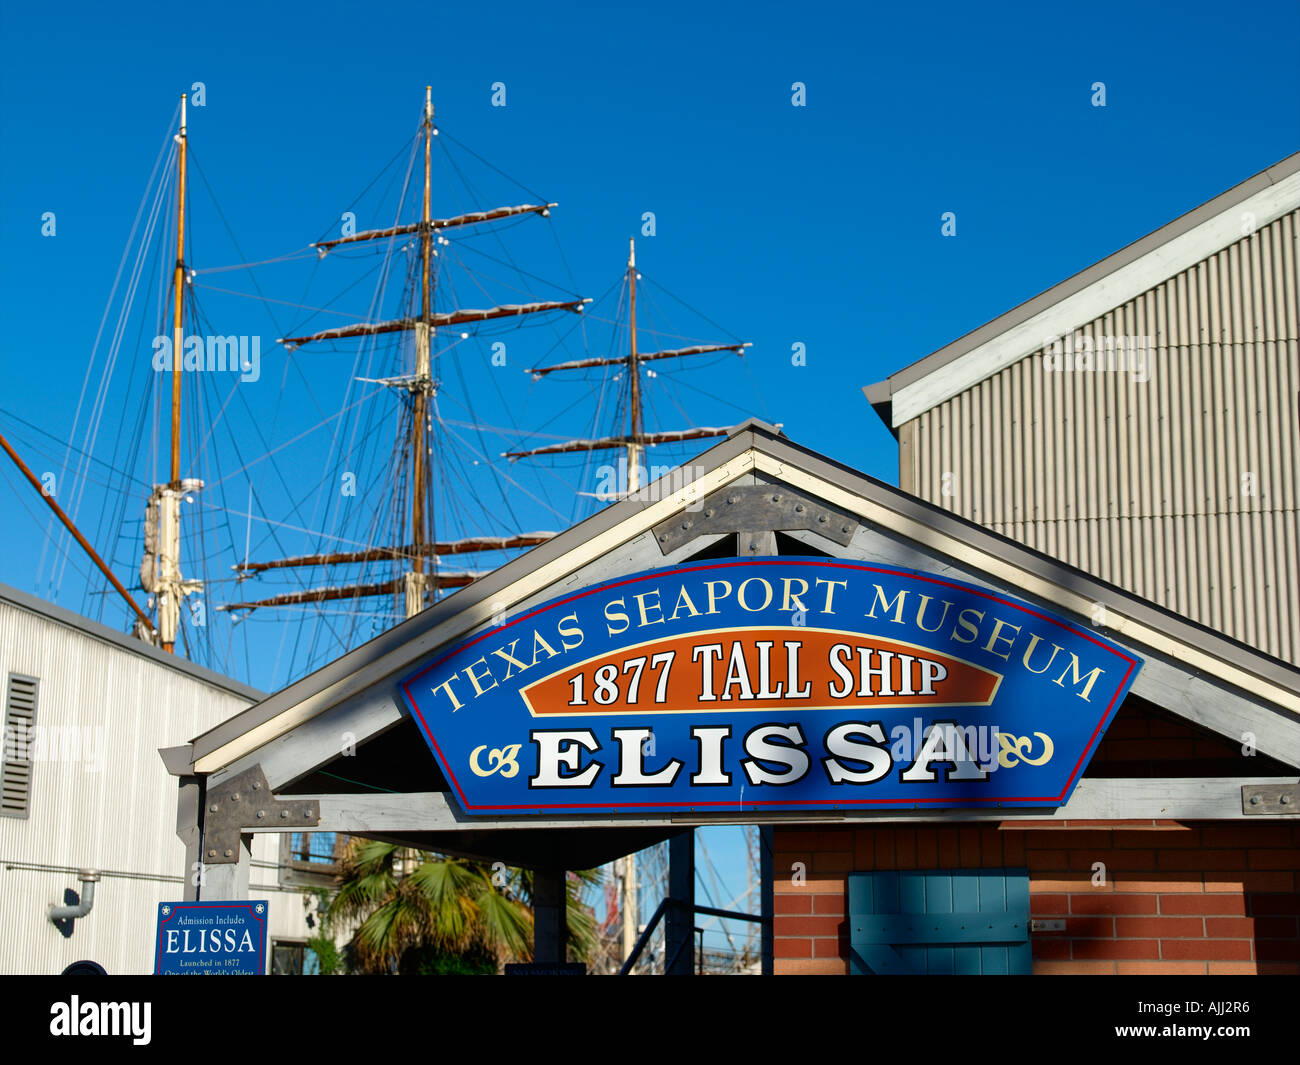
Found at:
(770, 684)
(205, 938)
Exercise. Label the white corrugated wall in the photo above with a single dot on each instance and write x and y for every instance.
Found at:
(109, 804)
(1181, 489)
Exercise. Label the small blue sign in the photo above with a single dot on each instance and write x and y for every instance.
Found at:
(770, 684)
(211, 938)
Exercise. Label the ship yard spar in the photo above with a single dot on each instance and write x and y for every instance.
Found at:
(415, 587)
(636, 439)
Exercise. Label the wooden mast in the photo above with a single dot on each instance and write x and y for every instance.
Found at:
(170, 522)
(178, 292)
(634, 370)
(636, 440)
(421, 386)
(160, 570)
(415, 584)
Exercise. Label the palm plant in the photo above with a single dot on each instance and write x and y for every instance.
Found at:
(447, 914)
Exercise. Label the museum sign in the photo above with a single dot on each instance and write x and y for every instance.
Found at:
(770, 684)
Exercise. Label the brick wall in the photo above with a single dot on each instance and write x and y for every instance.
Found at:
(1173, 897)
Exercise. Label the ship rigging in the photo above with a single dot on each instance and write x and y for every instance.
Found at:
(400, 500)
(414, 586)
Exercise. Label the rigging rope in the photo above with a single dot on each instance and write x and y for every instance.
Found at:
(166, 153)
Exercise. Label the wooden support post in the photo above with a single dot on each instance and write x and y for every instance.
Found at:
(679, 932)
(190, 832)
(230, 879)
(767, 892)
(550, 930)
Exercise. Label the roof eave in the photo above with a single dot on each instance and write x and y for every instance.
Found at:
(881, 397)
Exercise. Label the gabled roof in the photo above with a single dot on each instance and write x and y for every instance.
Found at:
(1191, 670)
(1087, 295)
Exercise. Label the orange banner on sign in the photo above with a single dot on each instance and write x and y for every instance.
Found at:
(761, 669)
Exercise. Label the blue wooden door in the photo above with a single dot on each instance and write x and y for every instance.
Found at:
(960, 922)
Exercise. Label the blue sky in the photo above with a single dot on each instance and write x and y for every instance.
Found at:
(816, 225)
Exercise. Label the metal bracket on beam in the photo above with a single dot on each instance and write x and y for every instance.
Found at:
(755, 509)
(1270, 800)
(245, 802)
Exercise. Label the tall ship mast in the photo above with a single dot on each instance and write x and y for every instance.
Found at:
(634, 441)
(160, 567)
(161, 573)
(422, 577)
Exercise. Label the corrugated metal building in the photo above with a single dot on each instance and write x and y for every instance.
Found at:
(85, 711)
(1139, 420)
